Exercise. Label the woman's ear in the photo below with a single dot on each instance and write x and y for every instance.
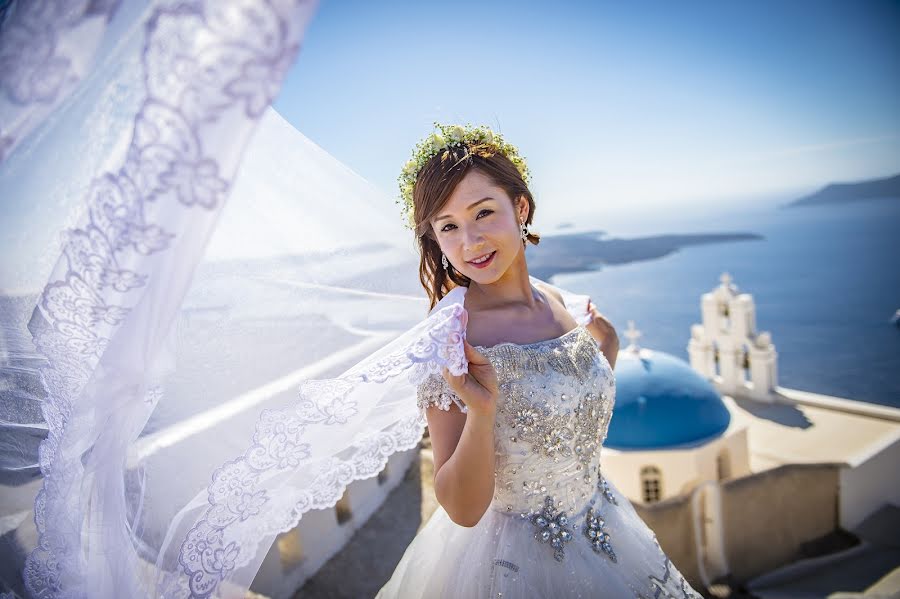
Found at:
(522, 209)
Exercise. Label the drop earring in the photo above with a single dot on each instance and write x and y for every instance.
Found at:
(444, 261)
(524, 232)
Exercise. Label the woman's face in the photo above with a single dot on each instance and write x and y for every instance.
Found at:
(479, 221)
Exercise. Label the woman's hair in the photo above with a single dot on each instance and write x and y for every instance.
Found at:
(434, 185)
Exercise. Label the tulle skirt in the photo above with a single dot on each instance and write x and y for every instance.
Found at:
(500, 557)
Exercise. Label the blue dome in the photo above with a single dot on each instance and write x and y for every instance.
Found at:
(662, 402)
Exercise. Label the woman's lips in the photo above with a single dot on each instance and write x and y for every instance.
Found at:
(486, 263)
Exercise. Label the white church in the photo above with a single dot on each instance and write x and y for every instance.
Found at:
(673, 427)
(734, 473)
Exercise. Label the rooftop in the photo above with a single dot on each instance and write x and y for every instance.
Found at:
(813, 428)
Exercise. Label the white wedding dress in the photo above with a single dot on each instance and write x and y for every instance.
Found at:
(556, 526)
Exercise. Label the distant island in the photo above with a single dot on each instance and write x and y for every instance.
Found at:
(579, 252)
(839, 193)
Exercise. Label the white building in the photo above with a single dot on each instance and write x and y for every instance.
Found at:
(721, 428)
(727, 349)
(670, 429)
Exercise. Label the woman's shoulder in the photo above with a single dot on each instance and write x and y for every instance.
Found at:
(551, 291)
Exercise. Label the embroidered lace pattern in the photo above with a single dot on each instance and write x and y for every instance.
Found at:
(174, 169)
(242, 497)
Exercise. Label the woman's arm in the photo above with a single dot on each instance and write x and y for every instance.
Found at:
(604, 332)
(463, 444)
(463, 447)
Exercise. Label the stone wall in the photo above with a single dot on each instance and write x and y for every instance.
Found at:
(768, 515)
(672, 521)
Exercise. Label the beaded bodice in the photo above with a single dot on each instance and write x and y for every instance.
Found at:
(553, 412)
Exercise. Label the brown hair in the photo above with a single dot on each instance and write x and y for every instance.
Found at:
(434, 185)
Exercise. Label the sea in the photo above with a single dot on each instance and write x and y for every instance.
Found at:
(825, 282)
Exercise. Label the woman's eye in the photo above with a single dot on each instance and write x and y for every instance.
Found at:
(480, 212)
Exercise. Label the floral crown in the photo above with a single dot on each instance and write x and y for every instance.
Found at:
(447, 136)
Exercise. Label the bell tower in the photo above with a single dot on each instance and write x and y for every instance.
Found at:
(726, 348)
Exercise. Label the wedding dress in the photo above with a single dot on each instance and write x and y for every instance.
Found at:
(556, 527)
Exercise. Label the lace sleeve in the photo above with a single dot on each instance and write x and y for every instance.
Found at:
(435, 391)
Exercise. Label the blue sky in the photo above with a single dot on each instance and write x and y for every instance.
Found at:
(635, 118)
(618, 107)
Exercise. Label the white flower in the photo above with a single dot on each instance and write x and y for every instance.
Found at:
(442, 137)
(339, 411)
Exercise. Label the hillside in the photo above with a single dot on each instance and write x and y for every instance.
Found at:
(834, 193)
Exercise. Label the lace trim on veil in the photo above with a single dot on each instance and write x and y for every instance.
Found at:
(249, 498)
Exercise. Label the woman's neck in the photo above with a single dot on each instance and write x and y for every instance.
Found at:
(513, 288)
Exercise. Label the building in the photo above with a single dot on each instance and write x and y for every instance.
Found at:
(736, 474)
(670, 429)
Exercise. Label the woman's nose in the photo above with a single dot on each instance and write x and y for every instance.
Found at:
(472, 238)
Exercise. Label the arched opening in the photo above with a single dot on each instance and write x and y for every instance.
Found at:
(717, 370)
(725, 320)
(290, 549)
(745, 363)
(651, 484)
(383, 475)
(342, 508)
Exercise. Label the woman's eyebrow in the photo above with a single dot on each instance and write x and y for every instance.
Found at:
(472, 205)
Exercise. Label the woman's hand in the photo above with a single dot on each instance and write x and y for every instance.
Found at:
(478, 388)
(464, 449)
(604, 332)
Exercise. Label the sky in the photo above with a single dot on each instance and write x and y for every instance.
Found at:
(619, 108)
(635, 118)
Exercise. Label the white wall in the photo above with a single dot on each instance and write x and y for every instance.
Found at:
(868, 485)
(682, 469)
(321, 536)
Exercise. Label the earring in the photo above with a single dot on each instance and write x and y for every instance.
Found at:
(524, 232)
(444, 261)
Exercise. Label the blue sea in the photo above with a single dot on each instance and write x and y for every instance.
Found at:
(825, 282)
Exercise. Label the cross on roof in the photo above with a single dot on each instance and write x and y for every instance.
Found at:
(725, 279)
(632, 334)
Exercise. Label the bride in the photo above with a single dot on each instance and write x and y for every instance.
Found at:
(525, 510)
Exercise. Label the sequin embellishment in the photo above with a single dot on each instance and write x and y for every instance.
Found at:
(553, 527)
(604, 487)
(434, 390)
(599, 538)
